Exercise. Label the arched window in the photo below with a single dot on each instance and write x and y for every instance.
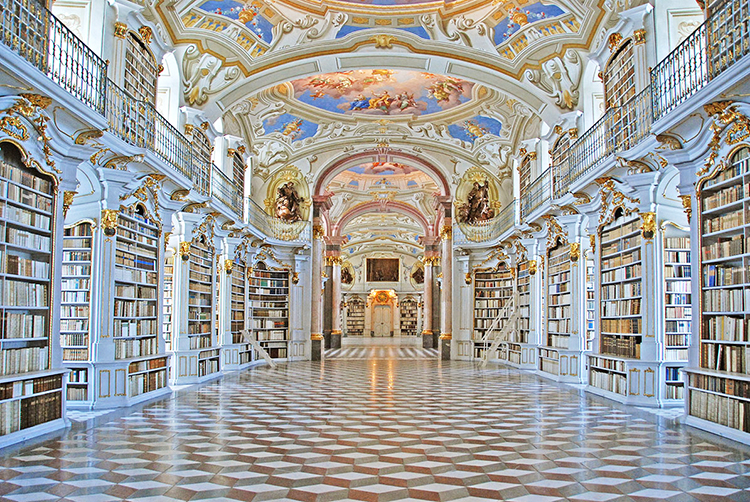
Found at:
(619, 77)
(141, 70)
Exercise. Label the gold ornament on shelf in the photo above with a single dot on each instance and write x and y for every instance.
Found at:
(68, 197)
(467, 278)
(575, 251)
(383, 41)
(121, 29)
(532, 267)
(295, 277)
(146, 34)
(184, 250)
(639, 36)
(614, 41)
(649, 225)
(592, 242)
(318, 232)
(446, 232)
(228, 266)
(109, 221)
(687, 205)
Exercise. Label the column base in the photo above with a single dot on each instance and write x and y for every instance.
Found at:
(428, 340)
(335, 339)
(445, 348)
(316, 347)
(327, 340)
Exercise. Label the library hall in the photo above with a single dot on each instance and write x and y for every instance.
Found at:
(374, 250)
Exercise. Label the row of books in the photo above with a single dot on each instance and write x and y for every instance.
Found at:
(722, 275)
(491, 313)
(131, 328)
(559, 299)
(675, 340)
(265, 283)
(720, 409)
(726, 300)
(201, 342)
(135, 291)
(150, 242)
(77, 243)
(620, 260)
(199, 326)
(258, 293)
(678, 272)
(22, 414)
(725, 196)
(484, 324)
(26, 239)
(621, 291)
(270, 313)
(724, 221)
(496, 293)
(208, 367)
(24, 360)
(130, 275)
(621, 245)
(84, 270)
(729, 386)
(626, 326)
(628, 347)
(550, 366)
(612, 382)
(125, 349)
(606, 363)
(75, 297)
(622, 274)
(678, 326)
(24, 177)
(74, 340)
(559, 312)
(259, 274)
(26, 294)
(625, 229)
(74, 311)
(677, 243)
(150, 364)
(724, 248)
(560, 341)
(674, 392)
(20, 325)
(201, 253)
(260, 323)
(132, 260)
(494, 284)
(75, 284)
(202, 276)
(147, 382)
(558, 326)
(25, 217)
(276, 335)
(678, 287)
(726, 328)
(678, 312)
(150, 228)
(27, 197)
(77, 393)
(716, 356)
(675, 354)
(18, 265)
(134, 308)
(79, 354)
(677, 257)
(560, 270)
(10, 390)
(614, 308)
(559, 287)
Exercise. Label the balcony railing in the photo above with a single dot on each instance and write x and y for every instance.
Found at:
(299, 231)
(709, 51)
(507, 218)
(224, 189)
(32, 32)
(538, 192)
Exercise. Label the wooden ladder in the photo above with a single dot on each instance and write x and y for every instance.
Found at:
(249, 337)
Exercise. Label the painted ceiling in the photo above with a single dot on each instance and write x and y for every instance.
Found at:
(383, 92)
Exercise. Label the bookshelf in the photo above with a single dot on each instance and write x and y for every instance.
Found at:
(75, 309)
(493, 297)
(200, 305)
(269, 308)
(677, 311)
(355, 316)
(31, 392)
(590, 303)
(559, 309)
(522, 351)
(718, 393)
(239, 310)
(168, 305)
(409, 316)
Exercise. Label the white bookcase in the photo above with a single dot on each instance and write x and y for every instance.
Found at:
(493, 297)
(678, 312)
(269, 308)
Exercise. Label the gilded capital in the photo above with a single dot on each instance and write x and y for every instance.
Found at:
(228, 266)
(649, 225)
(121, 29)
(68, 197)
(184, 249)
(109, 221)
(532, 267)
(575, 251)
(687, 205)
(446, 232)
(639, 36)
(592, 242)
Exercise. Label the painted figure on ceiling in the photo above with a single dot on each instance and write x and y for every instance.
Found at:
(361, 103)
(288, 203)
(381, 101)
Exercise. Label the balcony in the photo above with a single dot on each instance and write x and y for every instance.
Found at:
(298, 231)
(226, 191)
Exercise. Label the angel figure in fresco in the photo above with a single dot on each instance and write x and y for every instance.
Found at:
(443, 89)
(361, 103)
(381, 102)
(288, 203)
(405, 100)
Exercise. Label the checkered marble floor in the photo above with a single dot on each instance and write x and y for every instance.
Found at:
(386, 352)
(378, 430)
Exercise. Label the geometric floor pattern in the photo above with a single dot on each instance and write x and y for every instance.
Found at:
(378, 430)
(386, 352)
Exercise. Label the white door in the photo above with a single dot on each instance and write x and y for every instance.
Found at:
(381, 320)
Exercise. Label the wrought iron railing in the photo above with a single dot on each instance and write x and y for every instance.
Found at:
(709, 51)
(507, 218)
(224, 189)
(538, 192)
(32, 32)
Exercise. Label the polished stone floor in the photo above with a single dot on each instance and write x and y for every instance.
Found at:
(378, 429)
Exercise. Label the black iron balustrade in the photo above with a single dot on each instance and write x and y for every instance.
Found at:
(538, 192)
(32, 32)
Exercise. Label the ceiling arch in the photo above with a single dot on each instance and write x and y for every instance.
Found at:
(382, 206)
(326, 175)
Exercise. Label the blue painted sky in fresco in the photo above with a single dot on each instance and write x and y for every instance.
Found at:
(461, 130)
(263, 27)
(417, 30)
(536, 10)
(279, 124)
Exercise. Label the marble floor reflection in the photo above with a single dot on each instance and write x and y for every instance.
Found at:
(378, 430)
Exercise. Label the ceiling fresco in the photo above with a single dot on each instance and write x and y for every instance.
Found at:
(474, 128)
(382, 169)
(383, 92)
(518, 17)
(246, 13)
(290, 126)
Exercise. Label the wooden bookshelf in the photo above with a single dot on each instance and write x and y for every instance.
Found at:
(718, 391)
(493, 298)
(355, 316)
(201, 304)
(31, 393)
(409, 316)
(678, 312)
(559, 310)
(269, 308)
(75, 308)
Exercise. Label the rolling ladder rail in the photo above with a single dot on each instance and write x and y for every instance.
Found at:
(504, 334)
(249, 337)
